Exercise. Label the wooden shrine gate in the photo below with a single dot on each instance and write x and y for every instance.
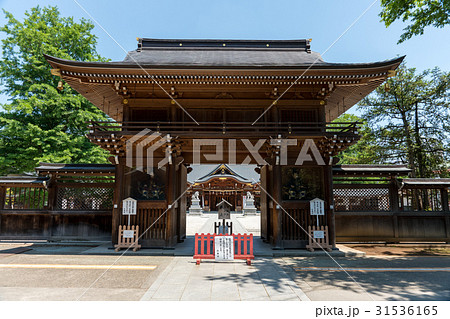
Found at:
(237, 95)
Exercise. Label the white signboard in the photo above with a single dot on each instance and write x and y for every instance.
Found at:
(318, 234)
(224, 248)
(317, 207)
(128, 233)
(129, 206)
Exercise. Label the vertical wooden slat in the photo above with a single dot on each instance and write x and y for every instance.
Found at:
(145, 224)
(2, 197)
(39, 206)
(27, 196)
(245, 242)
(33, 198)
(196, 244)
(11, 199)
(20, 198)
(239, 246)
(202, 246)
(444, 199)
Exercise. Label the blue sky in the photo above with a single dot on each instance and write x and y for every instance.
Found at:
(322, 20)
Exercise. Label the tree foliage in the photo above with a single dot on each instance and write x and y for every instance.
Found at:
(410, 120)
(366, 150)
(420, 13)
(41, 123)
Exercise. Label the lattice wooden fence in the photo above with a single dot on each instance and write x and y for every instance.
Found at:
(368, 198)
(84, 198)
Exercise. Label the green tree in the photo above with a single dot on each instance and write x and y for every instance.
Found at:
(41, 123)
(410, 119)
(366, 150)
(421, 13)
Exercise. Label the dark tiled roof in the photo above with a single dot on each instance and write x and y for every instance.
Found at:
(371, 170)
(23, 179)
(243, 173)
(61, 167)
(444, 182)
(223, 53)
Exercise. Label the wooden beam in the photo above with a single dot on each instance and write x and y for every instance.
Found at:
(218, 103)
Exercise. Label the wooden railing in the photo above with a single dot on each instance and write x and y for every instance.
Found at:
(22, 198)
(227, 128)
(151, 220)
(293, 218)
(422, 199)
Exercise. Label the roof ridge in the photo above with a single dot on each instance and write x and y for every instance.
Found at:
(303, 44)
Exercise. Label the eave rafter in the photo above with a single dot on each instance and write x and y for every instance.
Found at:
(224, 79)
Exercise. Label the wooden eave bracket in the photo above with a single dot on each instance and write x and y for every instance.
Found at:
(56, 72)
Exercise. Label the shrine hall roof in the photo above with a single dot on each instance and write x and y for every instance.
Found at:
(207, 54)
(233, 63)
(223, 53)
(243, 173)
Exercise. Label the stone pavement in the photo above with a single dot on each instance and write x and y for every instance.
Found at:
(264, 280)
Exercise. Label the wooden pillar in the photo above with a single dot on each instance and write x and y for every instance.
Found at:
(173, 113)
(264, 204)
(171, 227)
(181, 211)
(445, 208)
(2, 202)
(277, 211)
(329, 201)
(52, 192)
(393, 197)
(117, 199)
(52, 203)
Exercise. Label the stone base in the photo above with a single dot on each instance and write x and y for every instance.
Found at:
(250, 211)
(195, 211)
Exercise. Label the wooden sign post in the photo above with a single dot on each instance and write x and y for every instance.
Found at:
(128, 235)
(318, 236)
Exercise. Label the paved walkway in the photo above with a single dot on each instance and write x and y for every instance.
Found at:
(241, 225)
(264, 280)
